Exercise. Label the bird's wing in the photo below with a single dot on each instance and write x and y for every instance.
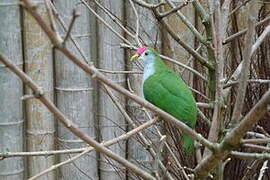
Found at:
(167, 91)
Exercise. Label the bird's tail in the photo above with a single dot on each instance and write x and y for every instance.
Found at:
(188, 143)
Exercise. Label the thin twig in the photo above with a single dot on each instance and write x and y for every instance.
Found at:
(137, 23)
(105, 23)
(178, 39)
(260, 81)
(244, 31)
(261, 38)
(75, 15)
(148, 5)
(242, 155)
(187, 23)
(173, 10)
(120, 72)
(232, 139)
(256, 141)
(239, 102)
(114, 19)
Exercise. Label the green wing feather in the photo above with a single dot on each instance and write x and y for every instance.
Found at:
(169, 92)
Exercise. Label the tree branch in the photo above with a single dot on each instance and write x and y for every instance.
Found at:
(239, 102)
(233, 138)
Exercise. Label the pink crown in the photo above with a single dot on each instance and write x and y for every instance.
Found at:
(141, 50)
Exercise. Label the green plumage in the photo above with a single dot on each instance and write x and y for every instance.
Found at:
(169, 92)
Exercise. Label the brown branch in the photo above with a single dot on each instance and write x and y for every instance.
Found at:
(40, 153)
(260, 81)
(120, 72)
(137, 23)
(239, 102)
(104, 22)
(233, 138)
(114, 18)
(244, 31)
(75, 15)
(256, 141)
(221, 20)
(173, 10)
(148, 5)
(243, 155)
(257, 147)
(186, 22)
(196, 55)
(260, 39)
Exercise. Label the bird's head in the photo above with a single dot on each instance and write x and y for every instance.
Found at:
(146, 54)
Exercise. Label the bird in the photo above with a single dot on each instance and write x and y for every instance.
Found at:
(166, 90)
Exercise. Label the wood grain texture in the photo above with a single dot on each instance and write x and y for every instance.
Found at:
(39, 66)
(74, 92)
(11, 90)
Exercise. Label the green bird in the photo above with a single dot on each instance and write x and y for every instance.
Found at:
(163, 88)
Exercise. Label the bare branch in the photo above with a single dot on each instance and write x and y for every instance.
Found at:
(256, 141)
(148, 5)
(233, 138)
(242, 155)
(245, 67)
(137, 23)
(105, 23)
(187, 23)
(173, 10)
(75, 15)
(196, 55)
(119, 72)
(259, 41)
(244, 31)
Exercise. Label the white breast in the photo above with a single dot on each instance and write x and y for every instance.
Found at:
(149, 69)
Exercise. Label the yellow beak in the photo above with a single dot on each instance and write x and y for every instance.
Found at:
(135, 57)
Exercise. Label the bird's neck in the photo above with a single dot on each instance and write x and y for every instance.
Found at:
(153, 66)
(149, 70)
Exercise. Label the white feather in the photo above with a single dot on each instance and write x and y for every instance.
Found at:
(149, 69)
(149, 65)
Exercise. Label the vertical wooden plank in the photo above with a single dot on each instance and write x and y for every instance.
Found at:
(39, 66)
(150, 34)
(111, 122)
(11, 90)
(75, 92)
